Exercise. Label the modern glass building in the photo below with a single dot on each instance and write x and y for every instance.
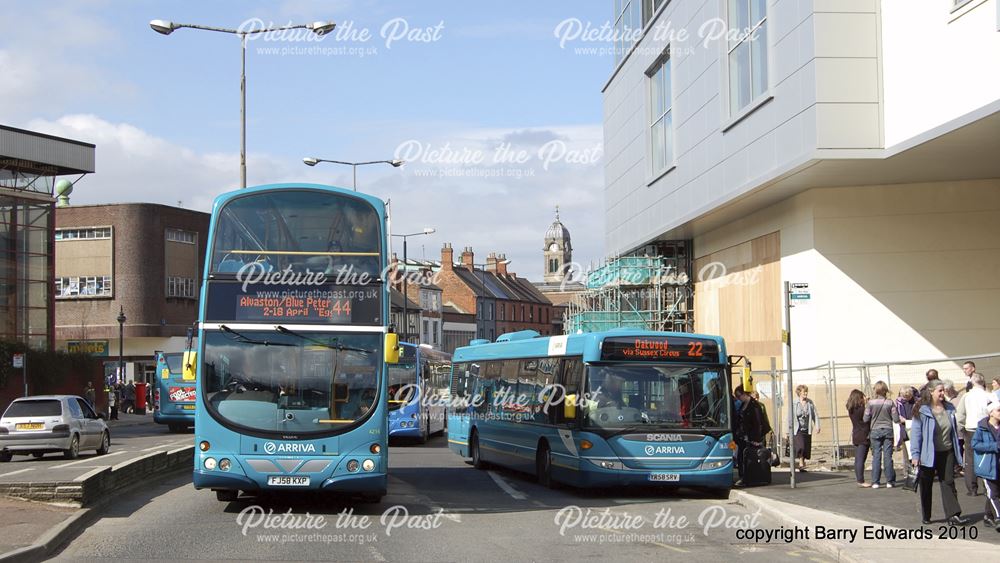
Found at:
(30, 164)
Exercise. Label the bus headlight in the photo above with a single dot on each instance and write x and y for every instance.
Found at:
(713, 464)
(209, 463)
(224, 464)
(376, 448)
(352, 465)
(203, 446)
(368, 465)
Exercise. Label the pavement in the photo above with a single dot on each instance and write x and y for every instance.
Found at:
(27, 523)
(827, 511)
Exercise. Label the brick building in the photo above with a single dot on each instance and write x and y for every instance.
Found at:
(143, 259)
(502, 301)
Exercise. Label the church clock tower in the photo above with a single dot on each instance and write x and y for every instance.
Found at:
(558, 251)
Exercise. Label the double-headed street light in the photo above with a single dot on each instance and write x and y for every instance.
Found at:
(168, 27)
(311, 161)
(406, 320)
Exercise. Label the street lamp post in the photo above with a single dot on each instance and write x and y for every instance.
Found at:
(406, 320)
(167, 27)
(312, 161)
(121, 343)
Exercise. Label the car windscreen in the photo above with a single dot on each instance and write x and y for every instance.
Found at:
(41, 407)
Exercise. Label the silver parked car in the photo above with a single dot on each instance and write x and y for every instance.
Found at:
(52, 423)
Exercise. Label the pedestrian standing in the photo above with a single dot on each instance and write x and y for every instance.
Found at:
(931, 375)
(969, 368)
(113, 402)
(882, 415)
(129, 403)
(936, 452)
(806, 424)
(986, 443)
(753, 426)
(995, 387)
(90, 395)
(972, 409)
(859, 434)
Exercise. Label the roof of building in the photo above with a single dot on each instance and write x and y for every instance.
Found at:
(557, 231)
(397, 301)
(42, 153)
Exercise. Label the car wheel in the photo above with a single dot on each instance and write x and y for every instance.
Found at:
(105, 444)
(5, 457)
(37, 455)
(74, 448)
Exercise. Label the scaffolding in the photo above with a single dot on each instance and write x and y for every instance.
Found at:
(645, 292)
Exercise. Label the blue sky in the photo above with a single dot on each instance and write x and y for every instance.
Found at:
(164, 110)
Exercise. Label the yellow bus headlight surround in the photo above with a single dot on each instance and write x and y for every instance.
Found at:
(352, 465)
(368, 465)
(210, 463)
(204, 446)
(224, 464)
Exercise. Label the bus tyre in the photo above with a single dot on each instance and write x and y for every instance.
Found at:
(227, 496)
(74, 448)
(722, 494)
(105, 444)
(5, 457)
(373, 498)
(543, 466)
(477, 458)
(424, 433)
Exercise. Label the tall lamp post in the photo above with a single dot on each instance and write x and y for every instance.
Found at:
(406, 319)
(167, 27)
(121, 344)
(311, 161)
(482, 284)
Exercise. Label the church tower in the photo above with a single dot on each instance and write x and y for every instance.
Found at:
(558, 250)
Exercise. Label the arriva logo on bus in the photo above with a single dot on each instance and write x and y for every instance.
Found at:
(272, 448)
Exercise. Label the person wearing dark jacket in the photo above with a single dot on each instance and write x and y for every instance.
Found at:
(986, 446)
(752, 426)
(935, 449)
(859, 434)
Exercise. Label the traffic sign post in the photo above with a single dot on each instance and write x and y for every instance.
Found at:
(786, 338)
(19, 362)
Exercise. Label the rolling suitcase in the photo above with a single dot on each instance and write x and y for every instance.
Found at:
(756, 466)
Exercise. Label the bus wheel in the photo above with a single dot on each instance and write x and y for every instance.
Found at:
(543, 466)
(227, 496)
(173, 428)
(477, 459)
(374, 498)
(722, 494)
(424, 434)
(5, 457)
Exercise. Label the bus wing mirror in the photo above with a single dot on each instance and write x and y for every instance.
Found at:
(190, 365)
(747, 379)
(392, 348)
(569, 407)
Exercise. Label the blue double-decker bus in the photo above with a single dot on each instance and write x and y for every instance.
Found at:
(617, 408)
(293, 344)
(418, 390)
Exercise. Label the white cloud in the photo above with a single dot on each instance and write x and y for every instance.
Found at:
(507, 215)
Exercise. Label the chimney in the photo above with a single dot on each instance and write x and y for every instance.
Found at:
(502, 265)
(468, 259)
(491, 262)
(447, 257)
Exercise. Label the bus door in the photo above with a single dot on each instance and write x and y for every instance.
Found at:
(460, 406)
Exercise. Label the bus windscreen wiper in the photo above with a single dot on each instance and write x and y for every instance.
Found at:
(240, 337)
(339, 347)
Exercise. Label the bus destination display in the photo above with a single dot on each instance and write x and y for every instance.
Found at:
(324, 305)
(659, 348)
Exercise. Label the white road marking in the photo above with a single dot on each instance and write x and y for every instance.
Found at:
(506, 487)
(88, 460)
(16, 472)
(167, 446)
